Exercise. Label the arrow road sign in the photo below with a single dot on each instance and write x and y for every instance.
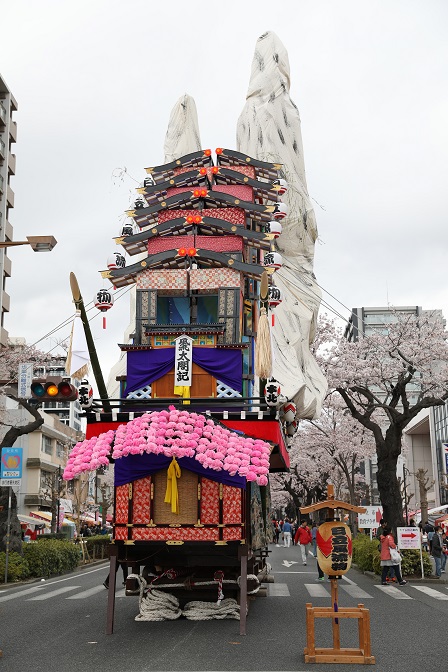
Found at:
(288, 563)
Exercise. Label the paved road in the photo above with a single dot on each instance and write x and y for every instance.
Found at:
(59, 626)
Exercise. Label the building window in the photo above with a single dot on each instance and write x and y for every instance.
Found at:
(45, 480)
(47, 445)
(60, 449)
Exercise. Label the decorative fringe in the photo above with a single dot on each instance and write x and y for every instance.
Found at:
(263, 351)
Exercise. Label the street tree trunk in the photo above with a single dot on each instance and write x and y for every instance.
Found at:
(388, 451)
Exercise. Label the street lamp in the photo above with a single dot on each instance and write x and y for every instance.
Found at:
(38, 243)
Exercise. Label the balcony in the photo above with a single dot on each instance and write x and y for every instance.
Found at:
(12, 164)
(3, 337)
(7, 266)
(3, 114)
(2, 149)
(9, 196)
(13, 131)
(2, 185)
(6, 302)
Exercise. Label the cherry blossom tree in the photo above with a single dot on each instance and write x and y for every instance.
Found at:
(385, 379)
(11, 430)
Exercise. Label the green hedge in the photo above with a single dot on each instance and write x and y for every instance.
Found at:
(366, 556)
(18, 568)
(98, 546)
(51, 556)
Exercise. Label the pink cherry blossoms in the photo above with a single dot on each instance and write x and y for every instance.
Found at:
(175, 433)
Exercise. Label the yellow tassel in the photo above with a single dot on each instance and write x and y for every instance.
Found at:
(263, 352)
(172, 494)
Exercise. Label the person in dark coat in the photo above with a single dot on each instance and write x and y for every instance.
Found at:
(437, 549)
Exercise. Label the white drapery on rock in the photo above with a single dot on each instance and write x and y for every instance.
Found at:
(269, 130)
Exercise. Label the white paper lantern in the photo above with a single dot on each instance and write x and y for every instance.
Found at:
(282, 186)
(273, 261)
(274, 227)
(116, 260)
(289, 412)
(280, 210)
(272, 392)
(275, 296)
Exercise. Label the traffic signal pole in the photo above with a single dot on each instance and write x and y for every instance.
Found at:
(79, 303)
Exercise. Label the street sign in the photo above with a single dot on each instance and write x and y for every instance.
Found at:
(371, 518)
(25, 379)
(408, 537)
(11, 466)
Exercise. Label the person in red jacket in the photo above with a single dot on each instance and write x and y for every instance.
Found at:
(303, 537)
(387, 542)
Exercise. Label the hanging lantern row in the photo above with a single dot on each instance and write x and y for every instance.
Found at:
(85, 394)
(272, 261)
(103, 300)
(274, 228)
(272, 392)
(280, 210)
(282, 186)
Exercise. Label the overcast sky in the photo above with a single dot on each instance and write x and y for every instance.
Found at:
(95, 81)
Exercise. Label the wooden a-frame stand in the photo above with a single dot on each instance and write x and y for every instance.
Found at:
(336, 654)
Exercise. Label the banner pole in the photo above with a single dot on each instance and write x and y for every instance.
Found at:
(8, 531)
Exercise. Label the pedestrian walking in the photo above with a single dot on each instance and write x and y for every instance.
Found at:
(287, 528)
(303, 537)
(444, 551)
(437, 549)
(388, 543)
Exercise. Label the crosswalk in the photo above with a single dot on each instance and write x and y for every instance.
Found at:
(280, 589)
(318, 590)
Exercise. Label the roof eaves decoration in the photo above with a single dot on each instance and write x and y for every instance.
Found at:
(170, 259)
(166, 171)
(175, 433)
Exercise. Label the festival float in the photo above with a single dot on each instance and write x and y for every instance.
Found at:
(207, 402)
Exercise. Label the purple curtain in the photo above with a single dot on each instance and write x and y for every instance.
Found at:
(145, 366)
(134, 467)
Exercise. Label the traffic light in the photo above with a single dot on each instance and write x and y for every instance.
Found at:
(53, 390)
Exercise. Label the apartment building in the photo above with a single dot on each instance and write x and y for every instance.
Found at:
(8, 135)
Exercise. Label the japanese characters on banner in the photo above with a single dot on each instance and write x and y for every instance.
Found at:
(183, 362)
(25, 379)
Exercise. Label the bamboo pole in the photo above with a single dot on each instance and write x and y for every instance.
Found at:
(79, 303)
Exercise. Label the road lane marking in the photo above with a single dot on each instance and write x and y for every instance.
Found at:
(293, 572)
(396, 593)
(345, 578)
(13, 596)
(278, 590)
(431, 592)
(120, 593)
(317, 590)
(53, 593)
(87, 593)
(356, 591)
